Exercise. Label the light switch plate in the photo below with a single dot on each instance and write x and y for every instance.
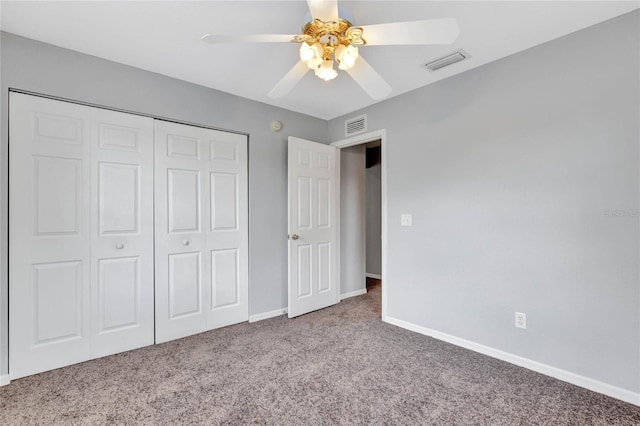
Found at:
(405, 219)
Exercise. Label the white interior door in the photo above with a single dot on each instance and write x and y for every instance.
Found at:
(201, 230)
(121, 232)
(313, 186)
(49, 244)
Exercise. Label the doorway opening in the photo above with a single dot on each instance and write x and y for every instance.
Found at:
(363, 215)
(373, 214)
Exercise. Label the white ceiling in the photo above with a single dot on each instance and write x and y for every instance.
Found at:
(164, 37)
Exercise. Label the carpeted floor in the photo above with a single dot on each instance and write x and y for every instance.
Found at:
(341, 365)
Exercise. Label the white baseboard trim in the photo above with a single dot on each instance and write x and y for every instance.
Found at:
(4, 380)
(267, 315)
(353, 293)
(566, 376)
(375, 276)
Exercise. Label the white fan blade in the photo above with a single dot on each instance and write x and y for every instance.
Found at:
(324, 10)
(289, 81)
(248, 38)
(369, 79)
(430, 31)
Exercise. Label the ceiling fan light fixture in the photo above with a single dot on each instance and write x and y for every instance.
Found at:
(329, 35)
(329, 41)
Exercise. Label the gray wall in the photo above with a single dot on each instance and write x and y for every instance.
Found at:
(352, 214)
(373, 219)
(50, 70)
(511, 171)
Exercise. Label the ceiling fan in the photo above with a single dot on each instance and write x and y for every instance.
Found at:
(329, 36)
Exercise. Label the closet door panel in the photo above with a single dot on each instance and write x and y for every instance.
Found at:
(183, 198)
(185, 285)
(118, 290)
(227, 233)
(201, 230)
(180, 248)
(122, 232)
(118, 198)
(225, 279)
(49, 241)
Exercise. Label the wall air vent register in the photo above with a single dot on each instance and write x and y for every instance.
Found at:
(355, 125)
(457, 56)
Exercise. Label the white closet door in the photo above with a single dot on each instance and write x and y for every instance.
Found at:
(122, 232)
(201, 230)
(49, 245)
(81, 233)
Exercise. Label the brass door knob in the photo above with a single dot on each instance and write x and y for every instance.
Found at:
(295, 236)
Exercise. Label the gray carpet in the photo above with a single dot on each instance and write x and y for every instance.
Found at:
(341, 365)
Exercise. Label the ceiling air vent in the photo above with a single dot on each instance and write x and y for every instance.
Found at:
(457, 56)
(355, 125)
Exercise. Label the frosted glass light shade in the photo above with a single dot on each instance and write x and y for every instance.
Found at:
(326, 71)
(318, 49)
(347, 57)
(314, 62)
(306, 52)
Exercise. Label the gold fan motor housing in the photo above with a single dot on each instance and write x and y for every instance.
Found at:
(331, 34)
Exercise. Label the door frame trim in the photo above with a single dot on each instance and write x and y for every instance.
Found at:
(359, 140)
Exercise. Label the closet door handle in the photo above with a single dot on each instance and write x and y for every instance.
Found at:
(119, 246)
(185, 243)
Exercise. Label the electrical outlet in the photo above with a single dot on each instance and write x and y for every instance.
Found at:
(405, 219)
(521, 320)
